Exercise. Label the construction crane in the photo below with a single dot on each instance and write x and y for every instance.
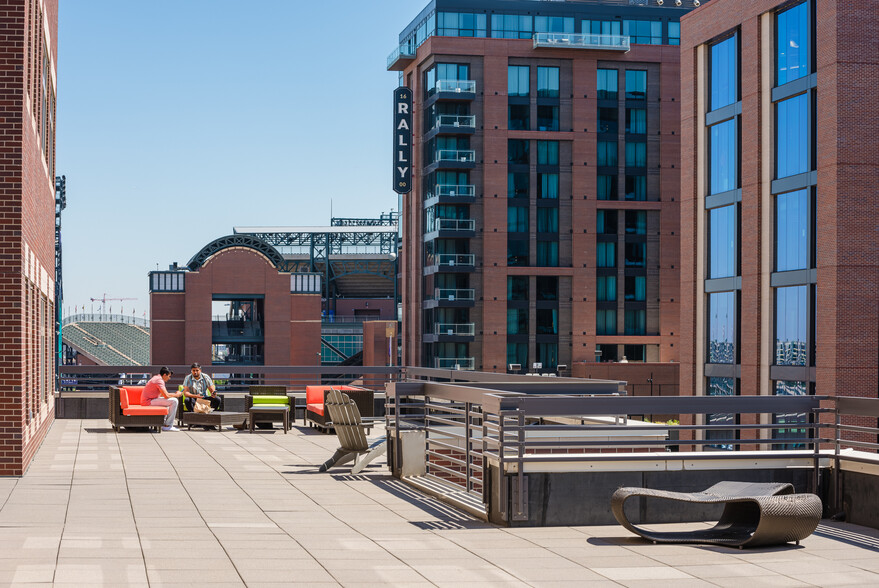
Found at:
(103, 300)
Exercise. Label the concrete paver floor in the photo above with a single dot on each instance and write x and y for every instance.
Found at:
(234, 509)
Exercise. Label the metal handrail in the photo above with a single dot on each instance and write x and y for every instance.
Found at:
(105, 318)
(453, 190)
(456, 86)
(455, 224)
(453, 120)
(454, 363)
(461, 155)
(455, 294)
(582, 41)
(458, 329)
(453, 259)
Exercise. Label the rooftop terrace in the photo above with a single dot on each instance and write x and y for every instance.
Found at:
(232, 508)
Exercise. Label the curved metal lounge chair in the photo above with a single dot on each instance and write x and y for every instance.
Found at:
(753, 514)
(349, 426)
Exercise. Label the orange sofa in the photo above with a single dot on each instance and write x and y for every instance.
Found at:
(126, 410)
(315, 397)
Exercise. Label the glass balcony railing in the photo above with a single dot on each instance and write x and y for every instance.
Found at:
(456, 329)
(455, 259)
(400, 57)
(584, 41)
(454, 363)
(456, 86)
(453, 190)
(458, 121)
(455, 294)
(459, 155)
(455, 224)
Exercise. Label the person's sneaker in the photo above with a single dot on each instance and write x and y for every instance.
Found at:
(170, 429)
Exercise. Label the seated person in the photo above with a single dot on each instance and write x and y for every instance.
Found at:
(199, 385)
(155, 394)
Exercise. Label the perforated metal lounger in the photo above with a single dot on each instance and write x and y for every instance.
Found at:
(349, 426)
(753, 514)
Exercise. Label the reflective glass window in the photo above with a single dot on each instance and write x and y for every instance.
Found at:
(635, 322)
(636, 121)
(511, 26)
(636, 254)
(790, 388)
(548, 186)
(636, 187)
(548, 82)
(721, 387)
(636, 154)
(517, 184)
(791, 231)
(547, 220)
(636, 288)
(722, 242)
(607, 153)
(517, 251)
(553, 24)
(517, 151)
(547, 288)
(791, 137)
(517, 219)
(605, 322)
(607, 187)
(602, 27)
(608, 120)
(517, 287)
(723, 77)
(547, 152)
(517, 353)
(607, 254)
(547, 321)
(519, 117)
(517, 321)
(518, 83)
(636, 85)
(461, 24)
(674, 33)
(606, 288)
(645, 32)
(607, 84)
(547, 253)
(722, 146)
(791, 326)
(548, 355)
(722, 327)
(607, 222)
(547, 118)
(792, 38)
(636, 222)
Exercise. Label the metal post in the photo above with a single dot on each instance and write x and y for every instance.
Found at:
(467, 478)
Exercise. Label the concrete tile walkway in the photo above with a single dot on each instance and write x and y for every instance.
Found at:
(234, 509)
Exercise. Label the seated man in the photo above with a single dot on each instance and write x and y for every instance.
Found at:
(199, 385)
(155, 394)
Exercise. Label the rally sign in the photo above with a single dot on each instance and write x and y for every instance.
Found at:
(402, 140)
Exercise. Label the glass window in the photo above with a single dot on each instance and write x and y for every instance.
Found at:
(791, 235)
(791, 326)
(636, 154)
(548, 253)
(722, 146)
(792, 37)
(636, 85)
(547, 118)
(607, 187)
(636, 121)
(517, 321)
(517, 287)
(520, 117)
(783, 388)
(517, 353)
(517, 185)
(517, 151)
(636, 222)
(607, 153)
(547, 288)
(518, 80)
(608, 120)
(645, 32)
(606, 287)
(791, 140)
(722, 242)
(547, 321)
(553, 24)
(674, 33)
(517, 219)
(724, 73)
(548, 186)
(607, 222)
(601, 27)
(452, 71)
(636, 187)
(511, 26)
(607, 254)
(547, 152)
(547, 220)
(607, 84)
(517, 251)
(460, 24)
(634, 352)
(636, 288)
(721, 327)
(548, 355)
(636, 255)
(721, 387)
(606, 352)
(635, 322)
(605, 322)
(547, 82)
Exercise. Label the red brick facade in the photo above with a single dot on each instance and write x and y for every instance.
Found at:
(28, 46)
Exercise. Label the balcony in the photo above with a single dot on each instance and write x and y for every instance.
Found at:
(452, 159)
(451, 228)
(577, 41)
(451, 298)
(451, 124)
(450, 194)
(452, 90)
(455, 329)
(400, 58)
(450, 263)
(454, 363)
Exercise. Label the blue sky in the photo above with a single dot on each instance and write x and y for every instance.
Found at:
(180, 119)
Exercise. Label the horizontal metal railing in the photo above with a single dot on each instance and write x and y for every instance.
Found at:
(457, 121)
(454, 363)
(454, 191)
(458, 155)
(456, 86)
(454, 294)
(582, 41)
(453, 259)
(105, 318)
(455, 224)
(458, 329)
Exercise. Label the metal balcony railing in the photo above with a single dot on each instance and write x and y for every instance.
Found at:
(453, 190)
(456, 86)
(461, 155)
(454, 363)
(455, 295)
(451, 120)
(582, 41)
(456, 329)
(455, 224)
(455, 259)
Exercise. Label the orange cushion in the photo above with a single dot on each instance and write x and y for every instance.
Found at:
(133, 395)
(316, 408)
(123, 398)
(145, 410)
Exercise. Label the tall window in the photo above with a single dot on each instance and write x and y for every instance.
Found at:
(607, 84)
(636, 121)
(547, 118)
(607, 187)
(636, 254)
(548, 186)
(636, 154)
(607, 153)
(548, 220)
(553, 24)
(797, 420)
(721, 327)
(607, 254)
(645, 32)
(722, 147)
(517, 219)
(547, 253)
(519, 117)
(722, 242)
(517, 288)
(674, 33)
(636, 85)
(517, 321)
(636, 187)
(517, 185)
(635, 322)
(547, 82)
(791, 139)
(608, 120)
(511, 26)
(636, 222)
(518, 83)
(636, 288)
(606, 288)
(724, 73)
(517, 151)
(607, 222)
(602, 27)
(547, 153)
(547, 321)
(792, 39)
(721, 387)
(791, 325)
(605, 322)
(791, 231)
(460, 24)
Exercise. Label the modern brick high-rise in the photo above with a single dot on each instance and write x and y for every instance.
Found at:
(780, 207)
(543, 223)
(28, 52)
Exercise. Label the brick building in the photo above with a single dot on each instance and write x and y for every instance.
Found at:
(780, 263)
(28, 48)
(543, 222)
